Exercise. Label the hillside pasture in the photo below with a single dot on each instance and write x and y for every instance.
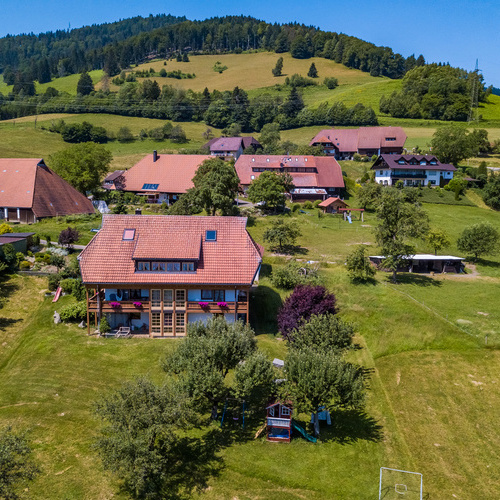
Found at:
(248, 71)
(62, 84)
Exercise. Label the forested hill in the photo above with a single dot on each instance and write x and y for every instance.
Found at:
(66, 52)
(116, 46)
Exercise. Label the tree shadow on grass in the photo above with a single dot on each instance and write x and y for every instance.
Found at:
(415, 279)
(366, 282)
(487, 263)
(265, 303)
(289, 250)
(7, 288)
(6, 322)
(199, 459)
(350, 426)
(197, 463)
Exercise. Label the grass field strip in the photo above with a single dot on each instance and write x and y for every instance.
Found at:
(422, 304)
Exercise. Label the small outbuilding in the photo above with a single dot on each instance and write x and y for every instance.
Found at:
(331, 205)
(426, 263)
(20, 241)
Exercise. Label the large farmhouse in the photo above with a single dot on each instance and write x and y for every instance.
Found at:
(314, 177)
(30, 191)
(413, 170)
(369, 141)
(158, 177)
(153, 274)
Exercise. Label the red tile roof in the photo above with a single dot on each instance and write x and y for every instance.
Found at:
(326, 171)
(172, 173)
(29, 183)
(233, 259)
(353, 139)
(329, 201)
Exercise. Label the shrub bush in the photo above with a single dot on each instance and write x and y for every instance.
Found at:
(316, 203)
(74, 287)
(295, 207)
(294, 274)
(330, 82)
(104, 327)
(53, 282)
(304, 301)
(307, 205)
(356, 157)
(74, 312)
(24, 265)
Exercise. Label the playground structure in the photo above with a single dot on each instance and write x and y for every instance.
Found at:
(347, 213)
(235, 412)
(57, 295)
(280, 424)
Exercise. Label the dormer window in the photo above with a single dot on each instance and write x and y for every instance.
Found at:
(128, 234)
(211, 235)
(401, 162)
(163, 266)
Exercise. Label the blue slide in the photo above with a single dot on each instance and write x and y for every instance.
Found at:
(302, 432)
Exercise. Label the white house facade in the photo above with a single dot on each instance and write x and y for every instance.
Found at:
(412, 170)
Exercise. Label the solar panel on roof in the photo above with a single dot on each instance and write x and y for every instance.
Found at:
(150, 186)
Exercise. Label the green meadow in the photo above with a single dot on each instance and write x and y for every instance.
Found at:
(430, 342)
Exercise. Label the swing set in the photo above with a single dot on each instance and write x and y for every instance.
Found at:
(234, 411)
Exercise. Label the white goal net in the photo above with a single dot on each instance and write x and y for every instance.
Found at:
(398, 484)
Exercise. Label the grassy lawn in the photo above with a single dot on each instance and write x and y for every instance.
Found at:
(53, 226)
(429, 407)
(20, 138)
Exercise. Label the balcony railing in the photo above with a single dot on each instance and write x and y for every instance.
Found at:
(408, 175)
(214, 307)
(123, 305)
(192, 306)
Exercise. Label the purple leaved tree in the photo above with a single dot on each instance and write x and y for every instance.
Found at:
(304, 301)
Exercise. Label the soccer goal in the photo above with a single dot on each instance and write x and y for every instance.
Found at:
(398, 484)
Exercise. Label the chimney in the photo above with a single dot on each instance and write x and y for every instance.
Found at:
(155, 155)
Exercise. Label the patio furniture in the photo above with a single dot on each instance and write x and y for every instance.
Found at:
(123, 332)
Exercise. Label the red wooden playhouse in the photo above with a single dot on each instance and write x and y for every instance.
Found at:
(279, 422)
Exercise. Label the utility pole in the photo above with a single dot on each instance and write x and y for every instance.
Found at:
(474, 98)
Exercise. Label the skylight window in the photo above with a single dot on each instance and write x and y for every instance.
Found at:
(128, 234)
(211, 236)
(151, 187)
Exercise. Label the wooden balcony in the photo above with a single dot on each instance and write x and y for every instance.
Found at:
(126, 306)
(213, 308)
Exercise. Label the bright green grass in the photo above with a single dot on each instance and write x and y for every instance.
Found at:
(54, 225)
(20, 139)
(426, 387)
(64, 84)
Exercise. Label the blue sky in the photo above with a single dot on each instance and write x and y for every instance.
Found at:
(457, 31)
